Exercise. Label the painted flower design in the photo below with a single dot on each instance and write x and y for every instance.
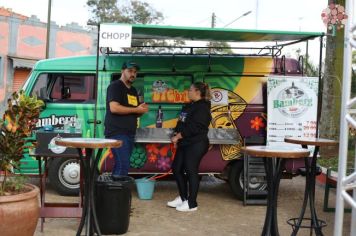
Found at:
(152, 158)
(160, 154)
(257, 123)
(163, 163)
(152, 148)
(334, 15)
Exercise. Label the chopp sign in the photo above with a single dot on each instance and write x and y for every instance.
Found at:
(115, 36)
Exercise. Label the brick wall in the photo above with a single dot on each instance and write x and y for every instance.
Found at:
(25, 37)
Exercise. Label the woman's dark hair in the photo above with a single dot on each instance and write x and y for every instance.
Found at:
(203, 89)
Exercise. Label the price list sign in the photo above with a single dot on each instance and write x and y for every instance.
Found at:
(291, 108)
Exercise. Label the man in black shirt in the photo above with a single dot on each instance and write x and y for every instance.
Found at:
(122, 110)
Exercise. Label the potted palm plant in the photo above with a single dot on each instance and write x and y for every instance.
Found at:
(19, 208)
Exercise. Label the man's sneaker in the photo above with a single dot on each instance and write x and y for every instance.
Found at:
(176, 202)
(185, 207)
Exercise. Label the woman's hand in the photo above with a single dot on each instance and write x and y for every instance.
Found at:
(175, 139)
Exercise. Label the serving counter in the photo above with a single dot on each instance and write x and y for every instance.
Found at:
(163, 135)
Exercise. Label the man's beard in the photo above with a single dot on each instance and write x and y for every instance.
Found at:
(130, 81)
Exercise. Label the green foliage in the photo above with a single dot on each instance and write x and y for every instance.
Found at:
(354, 58)
(155, 46)
(353, 83)
(310, 68)
(333, 162)
(142, 12)
(215, 48)
(13, 185)
(133, 12)
(17, 124)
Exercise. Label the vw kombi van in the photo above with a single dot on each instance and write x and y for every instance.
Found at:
(74, 89)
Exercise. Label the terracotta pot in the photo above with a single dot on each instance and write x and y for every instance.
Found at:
(19, 213)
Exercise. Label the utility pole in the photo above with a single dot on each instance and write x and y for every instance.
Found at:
(256, 20)
(213, 20)
(48, 27)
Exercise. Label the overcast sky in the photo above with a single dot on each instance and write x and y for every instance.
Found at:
(291, 15)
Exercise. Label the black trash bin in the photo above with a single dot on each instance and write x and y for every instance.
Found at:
(113, 203)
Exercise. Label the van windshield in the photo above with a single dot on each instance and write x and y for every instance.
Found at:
(59, 87)
(25, 85)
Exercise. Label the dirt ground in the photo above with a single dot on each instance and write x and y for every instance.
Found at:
(218, 212)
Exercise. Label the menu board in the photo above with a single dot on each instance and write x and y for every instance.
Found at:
(292, 104)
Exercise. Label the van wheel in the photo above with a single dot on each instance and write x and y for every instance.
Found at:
(236, 179)
(64, 175)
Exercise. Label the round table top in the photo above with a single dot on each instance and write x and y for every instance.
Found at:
(89, 142)
(276, 151)
(312, 141)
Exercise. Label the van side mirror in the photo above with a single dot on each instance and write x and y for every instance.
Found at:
(65, 93)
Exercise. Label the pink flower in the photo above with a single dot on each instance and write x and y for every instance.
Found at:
(163, 163)
(340, 16)
(334, 15)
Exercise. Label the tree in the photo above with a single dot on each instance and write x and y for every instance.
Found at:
(310, 69)
(134, 12)
(353, 79)
(332, 80)
(215, 48)
(353, 58)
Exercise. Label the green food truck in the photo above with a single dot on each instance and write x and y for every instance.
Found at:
(74, 91)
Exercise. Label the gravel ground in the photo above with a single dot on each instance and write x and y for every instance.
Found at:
(218, 214)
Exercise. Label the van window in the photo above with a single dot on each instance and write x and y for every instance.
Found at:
(65, 88)
(40, 87)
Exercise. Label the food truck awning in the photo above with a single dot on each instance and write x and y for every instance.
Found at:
(217, 34)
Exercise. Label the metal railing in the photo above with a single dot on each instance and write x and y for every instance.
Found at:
(346, 183)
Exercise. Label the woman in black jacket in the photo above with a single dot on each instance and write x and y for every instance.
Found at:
(191, 140)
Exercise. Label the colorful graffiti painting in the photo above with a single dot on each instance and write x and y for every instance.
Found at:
(138, 157)
(257, 123)
(225, 116)
(161, 155)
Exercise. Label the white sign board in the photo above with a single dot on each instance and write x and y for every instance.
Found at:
(115, 36)
(291, 108)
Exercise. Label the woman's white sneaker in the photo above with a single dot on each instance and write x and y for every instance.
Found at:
(175, 203)
(185, 207)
